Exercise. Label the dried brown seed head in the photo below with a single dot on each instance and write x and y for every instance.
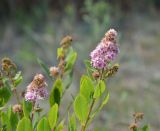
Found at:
(138, 115)
(8, 67)
(54, 71)
(66, 41)
(113, 70)
(7, 61)
(17, 108)
(133, 126)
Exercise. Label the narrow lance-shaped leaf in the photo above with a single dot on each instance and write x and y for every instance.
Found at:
(81, 108)
(60, 126)
(89, 68)
(56, 93)
(5, 94)
(17, 79)
(27, 108)
(104, 102)
(70, 59)
(68, 79)
(72, 123)
(53, 116)
(5, 121)
(24, 125)
(44, 67)
(43, 125)
(13, 118)
(35, 119)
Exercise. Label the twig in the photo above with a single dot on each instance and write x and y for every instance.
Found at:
(88, 116)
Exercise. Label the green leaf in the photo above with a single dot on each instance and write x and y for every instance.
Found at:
(5, 95)
(60, 52)
(36, 119)
(24, 125)
(89, 68)
(104, 102)
(53, 115)
(1, 108)
(44, 67)
(145, 128)
(5, 121)
(86, 88)
(60, 126)
(136, 129)
(27, 108)
(72, 123)
(81, 108)
(43, 125)
(88, 64)
(68, 79)
(17, 79)
(100, 88)
(70, 59)
(56, 92)
(13, 118)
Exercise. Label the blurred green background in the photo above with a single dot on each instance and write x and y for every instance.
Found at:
(31, 29)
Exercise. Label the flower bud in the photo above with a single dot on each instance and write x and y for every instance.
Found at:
(54, 71)
(17, 108)
(96, 74)
(138, 115)
(133, 126)
(66, 41)
(112, 71)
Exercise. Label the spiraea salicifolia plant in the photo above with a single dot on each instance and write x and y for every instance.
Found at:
(135, 126)
(26, 114)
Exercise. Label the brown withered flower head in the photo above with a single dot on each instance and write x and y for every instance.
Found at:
(54, 71)
(17, 108)
(113, 70)
(8, 67)
(66, 42)
(138, 116)
(133, 126)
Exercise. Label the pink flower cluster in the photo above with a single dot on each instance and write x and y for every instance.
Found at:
(36, 90)
(106, 51)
